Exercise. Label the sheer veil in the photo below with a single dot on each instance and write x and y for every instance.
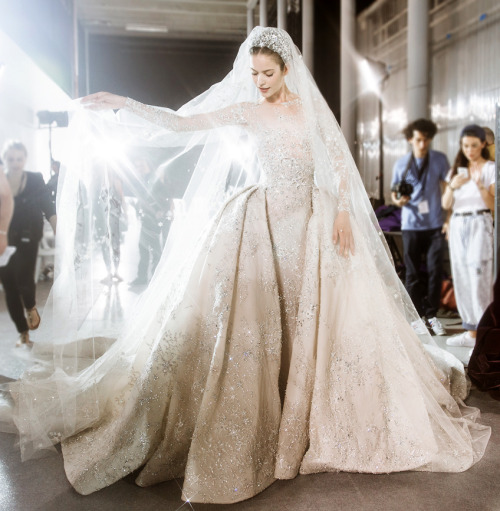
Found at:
(92, 333)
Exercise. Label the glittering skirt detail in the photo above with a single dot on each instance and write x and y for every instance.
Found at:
(279, 356)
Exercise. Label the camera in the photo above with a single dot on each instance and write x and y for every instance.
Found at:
(402, 188)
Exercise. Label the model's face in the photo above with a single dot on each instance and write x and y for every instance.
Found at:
(15, 160)
(267, 75)
(420, 144)
(472, 147)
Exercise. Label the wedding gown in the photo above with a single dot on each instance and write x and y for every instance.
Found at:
(270, 353)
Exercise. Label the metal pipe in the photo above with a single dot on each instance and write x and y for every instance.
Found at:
(250, 21)
(348, 75)
(76, 63)
(87, 63)
(381, 194)
(308, 33)
(418, 61)
(281, 14)
(263, 13)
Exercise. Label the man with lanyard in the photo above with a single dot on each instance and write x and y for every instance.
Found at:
(422, 218)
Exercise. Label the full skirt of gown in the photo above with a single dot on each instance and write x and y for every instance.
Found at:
(279, 356)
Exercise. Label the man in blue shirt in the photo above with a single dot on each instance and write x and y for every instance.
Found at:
(422, 217)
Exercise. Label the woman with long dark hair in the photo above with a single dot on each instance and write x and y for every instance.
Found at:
(470, 195)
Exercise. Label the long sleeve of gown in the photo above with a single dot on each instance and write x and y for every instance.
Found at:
(339, 155)
(231, 115)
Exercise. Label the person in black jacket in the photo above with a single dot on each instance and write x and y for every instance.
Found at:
(31, 201)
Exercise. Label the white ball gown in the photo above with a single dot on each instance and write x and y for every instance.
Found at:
(263, 352)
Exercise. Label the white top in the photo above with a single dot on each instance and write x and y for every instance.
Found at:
(468, 197)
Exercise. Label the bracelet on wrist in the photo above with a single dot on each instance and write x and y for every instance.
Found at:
(3, 233)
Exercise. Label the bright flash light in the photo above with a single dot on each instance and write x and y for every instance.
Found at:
(239, 150)
(109, 150)
(373, 75)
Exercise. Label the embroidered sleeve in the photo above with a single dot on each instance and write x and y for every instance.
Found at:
(231, 115)
(339, 155)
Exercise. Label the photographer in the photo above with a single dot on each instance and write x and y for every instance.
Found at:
(417, 183)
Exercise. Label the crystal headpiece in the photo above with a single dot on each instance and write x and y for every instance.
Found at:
(275, 39)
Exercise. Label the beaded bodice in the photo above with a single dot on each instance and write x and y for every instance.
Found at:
(283, 147)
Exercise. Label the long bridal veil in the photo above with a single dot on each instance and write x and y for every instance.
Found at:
(124, 179)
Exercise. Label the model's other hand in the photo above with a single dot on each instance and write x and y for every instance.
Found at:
(342, 233)
(103, 101)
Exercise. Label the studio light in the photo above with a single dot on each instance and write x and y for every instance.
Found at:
(46, 118)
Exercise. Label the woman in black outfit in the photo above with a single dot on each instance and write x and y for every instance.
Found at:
(31, 201)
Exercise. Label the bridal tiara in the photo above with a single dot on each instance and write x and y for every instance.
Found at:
(273, 38)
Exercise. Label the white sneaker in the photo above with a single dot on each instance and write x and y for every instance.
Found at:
(419, 327)
(436, 326)
(463, 339)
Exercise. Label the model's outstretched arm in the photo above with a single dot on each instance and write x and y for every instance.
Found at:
(231, 115)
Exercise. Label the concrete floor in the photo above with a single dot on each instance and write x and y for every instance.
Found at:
(42, 485)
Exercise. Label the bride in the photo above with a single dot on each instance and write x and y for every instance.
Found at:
(274, 337)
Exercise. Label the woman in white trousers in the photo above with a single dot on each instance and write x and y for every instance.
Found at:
(470, 195)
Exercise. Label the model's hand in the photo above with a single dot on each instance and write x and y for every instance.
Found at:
(342, 233)
(103, 101)
(458, 181)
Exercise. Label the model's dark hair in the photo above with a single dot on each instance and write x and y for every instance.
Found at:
(460, 159)
(257, 50)
(425, 126)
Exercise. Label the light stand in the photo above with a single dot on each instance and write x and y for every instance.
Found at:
(50, 120)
